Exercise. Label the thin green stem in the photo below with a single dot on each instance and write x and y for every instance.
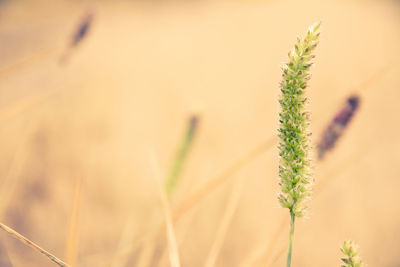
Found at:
(289, 256)
(181, 155)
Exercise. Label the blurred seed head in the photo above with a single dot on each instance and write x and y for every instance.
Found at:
(351, 251)
(83, 28)
(79, 35)
(193, 124)
(338, 125)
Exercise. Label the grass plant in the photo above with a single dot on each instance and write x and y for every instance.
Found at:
(295, 179)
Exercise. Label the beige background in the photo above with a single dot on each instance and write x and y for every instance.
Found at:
(127, 91)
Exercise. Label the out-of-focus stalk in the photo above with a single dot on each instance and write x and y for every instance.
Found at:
(181, 155)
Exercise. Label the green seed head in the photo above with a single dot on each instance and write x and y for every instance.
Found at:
(294, 167)
(350, 251)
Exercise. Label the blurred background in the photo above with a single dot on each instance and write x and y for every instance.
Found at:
(82, 124)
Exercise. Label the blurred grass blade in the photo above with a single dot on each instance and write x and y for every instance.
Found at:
(124, 246)
(12, 110)
(146, 254)
(5, 259)
(171, 238)
(12, 178)
(32, 245)
(276, 258)
(181, 155)
(12, 68)
(225, 223)
(261, 256)
(73, 233)
(376, 76)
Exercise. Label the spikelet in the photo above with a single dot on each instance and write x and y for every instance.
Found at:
(337, 126)
(350, 251)
(295, 179)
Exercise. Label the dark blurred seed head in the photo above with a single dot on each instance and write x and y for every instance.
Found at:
(83, 28)
(80, 33)
(337, 126)
(193, 124)
(354, 101)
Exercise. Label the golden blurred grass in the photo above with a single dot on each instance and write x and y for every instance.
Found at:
(130, 86)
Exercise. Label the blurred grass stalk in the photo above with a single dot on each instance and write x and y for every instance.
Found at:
(181, 155)
(225, 222)
(32, 245)
(71, 248)
(295, 179)
(170, 232)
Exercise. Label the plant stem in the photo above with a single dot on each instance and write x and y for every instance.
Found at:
(32, 245)
(181, 155)
(289, 256)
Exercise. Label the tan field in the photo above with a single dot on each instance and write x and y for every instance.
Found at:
(89, 132)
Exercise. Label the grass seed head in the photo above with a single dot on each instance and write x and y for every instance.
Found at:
(350, 251)
(294, 173)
